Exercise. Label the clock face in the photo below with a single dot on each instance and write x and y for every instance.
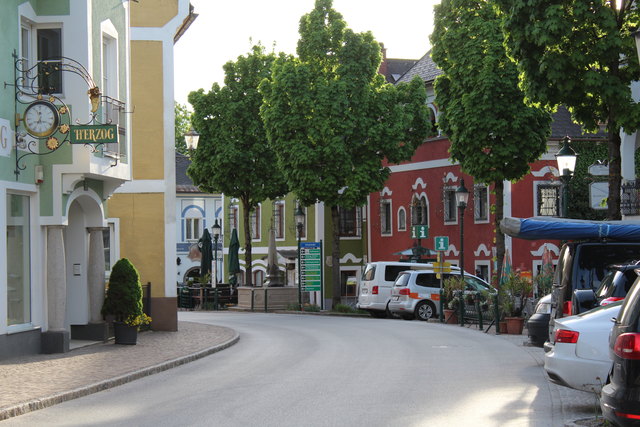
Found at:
(41, 119)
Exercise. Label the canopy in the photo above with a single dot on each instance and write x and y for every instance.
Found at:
(206, 248)
(569, 229)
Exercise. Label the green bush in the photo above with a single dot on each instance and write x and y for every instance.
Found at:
(124, 295)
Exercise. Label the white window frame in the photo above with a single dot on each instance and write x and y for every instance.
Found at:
(449, 194)
(255, 223)
(402, 224)
(388, 231)
(279, 222)
(485, 198)
(536, 207)
(484, 263)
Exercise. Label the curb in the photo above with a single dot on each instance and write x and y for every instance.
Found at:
(54, 399)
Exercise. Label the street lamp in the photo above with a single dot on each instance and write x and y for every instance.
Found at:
(566, 159)
(299, 218)
(191, 139)
(215, 229)
(462, 196)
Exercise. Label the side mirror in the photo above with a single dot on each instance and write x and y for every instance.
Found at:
(583, 300)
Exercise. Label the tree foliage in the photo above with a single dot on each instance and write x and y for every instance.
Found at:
(233, 155)
(182, 126)
(494, 135)
(581, 54)
(124, 293)
(332, 119)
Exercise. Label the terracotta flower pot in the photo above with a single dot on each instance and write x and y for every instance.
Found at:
(514, 325)
(450, 316)
(503, 326)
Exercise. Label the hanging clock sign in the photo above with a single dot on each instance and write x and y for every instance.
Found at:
(41, 119)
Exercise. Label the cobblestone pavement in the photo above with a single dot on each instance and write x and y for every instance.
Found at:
(34, 382)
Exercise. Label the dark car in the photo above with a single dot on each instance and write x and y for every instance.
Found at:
(614, 287)
(620, 398)
(538, 323)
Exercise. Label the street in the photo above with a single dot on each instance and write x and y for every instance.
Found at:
(291, 370)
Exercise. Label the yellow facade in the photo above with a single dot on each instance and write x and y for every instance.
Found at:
(156, 16)
(147, 94)
(142, 235)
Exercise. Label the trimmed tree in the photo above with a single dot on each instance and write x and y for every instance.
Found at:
(494, 135)
(124, 294)
(233, 155)
(332, 119)
(580, 54)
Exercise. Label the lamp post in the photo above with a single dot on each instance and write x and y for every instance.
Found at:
(191, 139)
(299, 218)
(462, 196)
(566, 159)
(215, 229)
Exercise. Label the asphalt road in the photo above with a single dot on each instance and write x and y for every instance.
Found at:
(290, 370)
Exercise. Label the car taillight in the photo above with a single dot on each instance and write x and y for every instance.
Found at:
(629, 416)
(627, 346)
(610, 300)
(374, 290)
(404, 291)
(569, 337)
(566, 308)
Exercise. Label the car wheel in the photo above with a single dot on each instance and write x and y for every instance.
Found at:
(425, 310)
(378, 314)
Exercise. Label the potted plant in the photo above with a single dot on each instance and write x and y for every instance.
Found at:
(453, 286)
(124, 302)
(514, 292)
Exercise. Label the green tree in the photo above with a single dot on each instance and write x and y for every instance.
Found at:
(580, 53)
(233, 155)
(182, 126)
(124, 293)
(494, 135)
(332, 119)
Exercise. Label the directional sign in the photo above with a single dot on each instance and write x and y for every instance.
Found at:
(441, 243)
(419, 231)
(441, 267)
(310, 266)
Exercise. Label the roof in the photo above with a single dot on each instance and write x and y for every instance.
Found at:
(395, 68)
(183, 182)
(425, 68)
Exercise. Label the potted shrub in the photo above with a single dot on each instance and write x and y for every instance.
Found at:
(452, 287)
(514, 291)
(124, 302)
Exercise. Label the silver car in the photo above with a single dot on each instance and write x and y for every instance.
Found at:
(416, 294)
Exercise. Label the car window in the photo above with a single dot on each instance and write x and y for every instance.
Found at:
(474, 284)
(391, 271)
(402, 280)
(606, 284)
(369, 272)
(630, 311)
(427, 279)
(594, 262)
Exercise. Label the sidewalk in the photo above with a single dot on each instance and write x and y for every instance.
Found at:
(35, 382)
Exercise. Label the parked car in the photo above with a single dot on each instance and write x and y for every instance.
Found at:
(620, 397)
(377, 280)
(578, 356)
(416, 294)
(583, 265)
(614, 287)
(538, 323)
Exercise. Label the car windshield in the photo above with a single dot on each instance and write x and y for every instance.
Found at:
(369, 272)
(474, 284)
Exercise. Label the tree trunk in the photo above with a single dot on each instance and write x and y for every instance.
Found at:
(615, 171)
(500, 248)
(335, 255)
(246, 215)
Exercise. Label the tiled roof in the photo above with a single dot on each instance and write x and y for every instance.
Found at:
(397, 67)
(183, 182)
(425, 68)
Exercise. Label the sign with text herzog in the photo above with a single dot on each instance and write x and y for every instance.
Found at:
(310, 266)
(94, 134)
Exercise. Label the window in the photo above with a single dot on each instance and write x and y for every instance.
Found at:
(548, 200)
(278, 219)
(419, 211)
(233, 216)
(258, 277)
(481, 203)
(349, 222)
(402, 219)
(193, 228)
(112, 109)
(106, 239)
(49, 44)
(254, 223)
(25, 50)
(18, 260)
(450, 211)
(385, 216)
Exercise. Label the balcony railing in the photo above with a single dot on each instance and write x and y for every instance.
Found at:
(630, 198)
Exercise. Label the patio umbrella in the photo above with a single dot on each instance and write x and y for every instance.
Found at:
(506, 267)
(234, 258)
(206, 248)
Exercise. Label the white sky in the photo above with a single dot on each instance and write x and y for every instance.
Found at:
(223, 30)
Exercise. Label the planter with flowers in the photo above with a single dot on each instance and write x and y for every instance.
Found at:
(514, 292)
(124, 302)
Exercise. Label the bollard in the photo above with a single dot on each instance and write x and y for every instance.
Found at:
(479, 310)
(265, 300)
(496, 313)
(461, 302)
(215, 299)
(441, 309)
(252, 299)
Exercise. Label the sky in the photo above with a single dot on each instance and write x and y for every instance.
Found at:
(225, 30)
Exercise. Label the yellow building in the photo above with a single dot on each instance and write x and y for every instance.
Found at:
(145, 206)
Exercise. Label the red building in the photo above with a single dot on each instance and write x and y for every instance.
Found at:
(422, 192)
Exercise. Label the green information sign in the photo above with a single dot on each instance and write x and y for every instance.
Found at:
(441, 243)
(419, 231)
(310, 266)
(94, 134)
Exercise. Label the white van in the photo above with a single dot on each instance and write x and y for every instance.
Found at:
(376, 283)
